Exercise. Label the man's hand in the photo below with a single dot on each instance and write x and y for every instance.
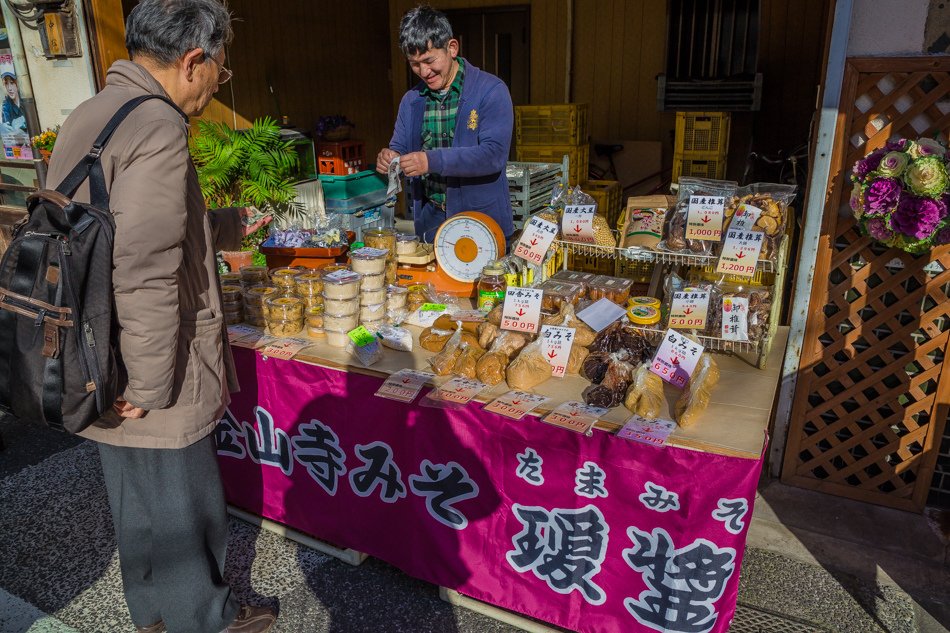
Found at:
(126, 410)
(250, 212)
(415, 164)
(383, 159)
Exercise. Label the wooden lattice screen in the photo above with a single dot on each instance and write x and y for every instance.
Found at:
(872, 394)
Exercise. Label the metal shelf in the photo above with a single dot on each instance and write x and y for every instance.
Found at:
(711, 343)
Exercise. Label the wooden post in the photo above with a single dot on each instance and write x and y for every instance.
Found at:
(105, 21)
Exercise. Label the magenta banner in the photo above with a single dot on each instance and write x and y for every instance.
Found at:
(591, 533)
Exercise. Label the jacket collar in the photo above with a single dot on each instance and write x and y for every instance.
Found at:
(127, 74)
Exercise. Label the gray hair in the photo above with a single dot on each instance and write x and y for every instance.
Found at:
(164, 30)
(422, 27)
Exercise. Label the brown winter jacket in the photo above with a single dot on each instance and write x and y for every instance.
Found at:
(172, 338)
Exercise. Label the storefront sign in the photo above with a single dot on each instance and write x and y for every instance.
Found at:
(676, 358)
(575, 416)
(556, 344)
(688, 309)
(404, 385)
(704, 218)
(654, 432)
(515, 404)
(735, 318)
(522, 310)
(740, 252)
(285, 348)
(577, 223)
(536, 240)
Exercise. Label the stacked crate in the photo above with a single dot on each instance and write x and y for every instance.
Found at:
(702, 142)
(607, 194)
(530, 186)
(340, 158)
(547, 133)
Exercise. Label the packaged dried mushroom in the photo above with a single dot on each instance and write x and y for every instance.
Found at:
(699, 190)
(768, 207)
(744, 313)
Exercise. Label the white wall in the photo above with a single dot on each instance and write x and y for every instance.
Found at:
(888, 27)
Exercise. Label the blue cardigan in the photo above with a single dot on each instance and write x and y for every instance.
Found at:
(475, 164)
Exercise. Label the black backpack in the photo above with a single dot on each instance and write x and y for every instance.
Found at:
(58, 355)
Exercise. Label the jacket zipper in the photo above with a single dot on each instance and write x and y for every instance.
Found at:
(86, 343)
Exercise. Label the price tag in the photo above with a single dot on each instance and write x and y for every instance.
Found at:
(522, 310)
(576, 416)
(601, 314)
(432, 307)
(556, 344)
(404, 385)
(676, 358)
(459, 390)
(704, 218)
(689, 309)
(343, 276)
(244, 336)
(366, 251)
(740, 252)
(735, 318)
(577, 223)
(536, 240)
(285, 348)
(653, 432)
(515, 404)
(361, 337)
(425, 317)
(745, 218)
(469, 316)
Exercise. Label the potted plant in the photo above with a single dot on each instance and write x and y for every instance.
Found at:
(45, 141)
(252, 167)
(334, 128)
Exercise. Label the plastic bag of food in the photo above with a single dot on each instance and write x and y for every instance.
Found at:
(468, 361)
(576, 358)
(695, 398)
(396, 338)
(617, 337)
(529, 369)
(769, 204)
(641, 224)
(490, 368)
(744, 313)
(584, 335)
(444, 362)
(433, 340)
(645, 395)
(675, 284)
(613, 388)
(603, 236)
(674, 228)
(487, 333)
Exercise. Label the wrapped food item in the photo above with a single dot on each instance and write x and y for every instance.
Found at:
(695, 398)
(643, 221)
(557, 293)
(487, 333)
(674, 228)
(396, 338)
(446, 322)
(468, 361)
(369, 261)
(603, 236)
(529, 369)
(444, 362)
(616, 338)
(583, 334)
(675, 284)
(509, 343)
(494, 316)
(434, 340)
(419, 294)
(490, 368)
(406, 243)
(341, 284)
(745, 313)
(612, 389)
(594, 367)
(581, 279)
(396, 297)
(285, 277)
(645, 395)
(616, 289)
(577, 357)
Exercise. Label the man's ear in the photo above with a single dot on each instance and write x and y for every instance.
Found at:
(190, 60)
(453, 47)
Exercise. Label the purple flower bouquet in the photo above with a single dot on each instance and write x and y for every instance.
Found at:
(901, 195)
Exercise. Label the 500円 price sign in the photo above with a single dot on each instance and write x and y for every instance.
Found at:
(522, 310)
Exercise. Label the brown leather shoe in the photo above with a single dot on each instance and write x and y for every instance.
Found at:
(252, 620)
(158, 627)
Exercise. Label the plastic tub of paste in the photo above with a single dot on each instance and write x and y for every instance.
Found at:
(380, 238)
(337, 338)
(372, 297)
(341, 284)
(369, 261)
(650, 302)
(254, 275)
(341, 322)
(314, 316)
(285, 277)
(287, 308)
(256, 295)
(406, 243)
(309, 284)
(284, 327)
(396, 296)
(373, 282)
(341, 306)
(643, 315)
(613, 288)
(375, 312)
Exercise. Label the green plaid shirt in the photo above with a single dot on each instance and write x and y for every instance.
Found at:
(438, 128)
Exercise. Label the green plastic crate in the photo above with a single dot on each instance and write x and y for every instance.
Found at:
(353, 185)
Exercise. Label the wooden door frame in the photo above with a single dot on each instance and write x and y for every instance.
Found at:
(105, 23)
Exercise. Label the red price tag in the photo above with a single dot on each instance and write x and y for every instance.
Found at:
(740, 252)
(536, 240)
(676, 358)
(577, 223)
(704, 218)
(522, 310)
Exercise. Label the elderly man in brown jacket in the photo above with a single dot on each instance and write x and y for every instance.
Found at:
(157, 450)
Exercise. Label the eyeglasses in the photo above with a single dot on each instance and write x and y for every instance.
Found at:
(224, 74)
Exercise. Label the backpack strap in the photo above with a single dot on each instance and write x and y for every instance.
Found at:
(91, 167)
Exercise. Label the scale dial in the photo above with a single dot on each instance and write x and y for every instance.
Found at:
(466, 243)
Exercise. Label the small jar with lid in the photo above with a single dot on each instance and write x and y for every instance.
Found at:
(254, 275)
(491, 287)
(407, 243)
(643, 315)
(380, 238)
(341, 284)
(369, 261)
(651, 302)
(257, 295)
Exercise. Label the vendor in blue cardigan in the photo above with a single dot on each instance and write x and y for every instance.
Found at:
(453, 130)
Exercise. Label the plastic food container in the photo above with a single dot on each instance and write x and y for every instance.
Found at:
(392, 271)
(256, 321)
(341, 306)
(570, 276)
(315, 300)
(372, 297)
(254, 275)
(341, 322)
(396, 297)
(369, 261)
(374, 325)
(373, 282)
(234, 317)
(230, 278)
(651, 302)
(285, 277)
(232, 293)
(233, 306)
(376, 312)
(316, 332)
(613, 288)
(380, 238)
(309, 284)
(286, 308)
(314, 316)
(284, 327)
(558, 293)
(643, 315)
(406, 244)
(337, 338)
(332, 268)
(257, 295)
(259, 312)
(341, 284)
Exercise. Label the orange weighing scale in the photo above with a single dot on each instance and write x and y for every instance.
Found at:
(464, 244)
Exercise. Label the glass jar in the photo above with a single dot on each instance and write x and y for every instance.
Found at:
(491, 287)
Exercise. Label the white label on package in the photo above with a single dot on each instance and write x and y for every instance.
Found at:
(536, 240)
(740, 252)
(577, 223)
(366, 251)
(468, 316)
(344, 276)
(522, 310)
(556, 343)
(704, 218)
(689, 308)
(735, 318)
(653, 432)
(459, 390)
(676, 358)
(745, 218)
(286, 348)
(404, 385)
(601, 314)
(575, 416)
(515, 404)
(424, 316)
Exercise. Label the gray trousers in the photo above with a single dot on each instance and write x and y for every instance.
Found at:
(172, 529)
